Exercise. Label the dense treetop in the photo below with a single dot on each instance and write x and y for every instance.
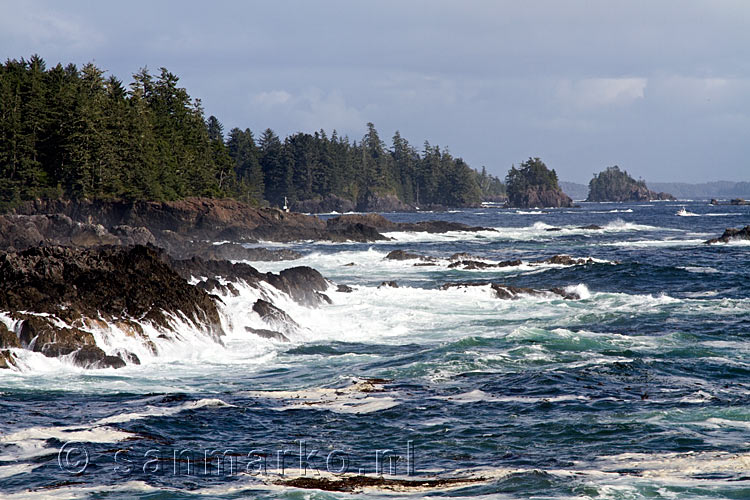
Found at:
(613, 184)
(69, 132)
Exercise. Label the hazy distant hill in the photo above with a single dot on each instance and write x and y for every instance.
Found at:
(575, 190)
(681, 190)
(706, 190)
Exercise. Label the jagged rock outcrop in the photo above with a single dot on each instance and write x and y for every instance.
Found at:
(509, 292)
(566, 260)
(78, 287)
(540, 197)
(731, 234)
(275, 317)
(303, 284)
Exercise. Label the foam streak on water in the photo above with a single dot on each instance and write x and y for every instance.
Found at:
(637, 388)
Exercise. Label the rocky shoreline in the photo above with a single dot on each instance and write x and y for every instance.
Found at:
(190, 227)
(73, 271)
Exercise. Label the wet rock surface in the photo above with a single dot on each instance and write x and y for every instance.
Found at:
(57, 286)
(731, 234)
(509, 292)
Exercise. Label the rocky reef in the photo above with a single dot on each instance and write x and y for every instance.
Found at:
(54, 299)
(731, 234)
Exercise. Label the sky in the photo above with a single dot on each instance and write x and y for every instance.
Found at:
(660, 88)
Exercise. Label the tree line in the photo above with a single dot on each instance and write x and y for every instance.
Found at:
(69, 132)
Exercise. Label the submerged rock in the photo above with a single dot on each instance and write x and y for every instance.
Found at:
(566, 260)
(404, 255)
(388, 284)
(91, 356)
(510, 292)
(268, 334)
(477, 264)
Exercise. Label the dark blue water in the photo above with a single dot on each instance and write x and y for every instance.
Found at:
(640, 389)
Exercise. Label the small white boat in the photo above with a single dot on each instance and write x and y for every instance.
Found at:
(682, 212)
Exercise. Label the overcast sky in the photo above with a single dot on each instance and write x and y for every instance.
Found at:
(661, 88)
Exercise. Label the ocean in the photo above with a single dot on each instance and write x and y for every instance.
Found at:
(640, 388)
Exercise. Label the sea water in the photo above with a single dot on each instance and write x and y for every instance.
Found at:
(639, 389)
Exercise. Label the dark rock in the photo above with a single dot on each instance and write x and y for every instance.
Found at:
(127, 356)
(268, 334)
(540, 197)
(509, 292)
(112, 282)
(8, 338)
(304, 284)
(90, 356)
(462, 256)
(476, 264)
(551, 229)
(40, 335)
(592, 227)
(234, 251)
(350, 264)
(403, 255)
(356, 232)
(565, 260)
(212, 285)
(421, 264)
(7, 359)
(739, 201)
(344, 289)
(732, 234)
(388, 284)
(130, 235)
(27, 231)
(380, 223)
(175, 223)
(275, 317)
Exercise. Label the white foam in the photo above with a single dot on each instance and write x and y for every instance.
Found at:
(478, 396)
(359, 398)
(580, 289)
